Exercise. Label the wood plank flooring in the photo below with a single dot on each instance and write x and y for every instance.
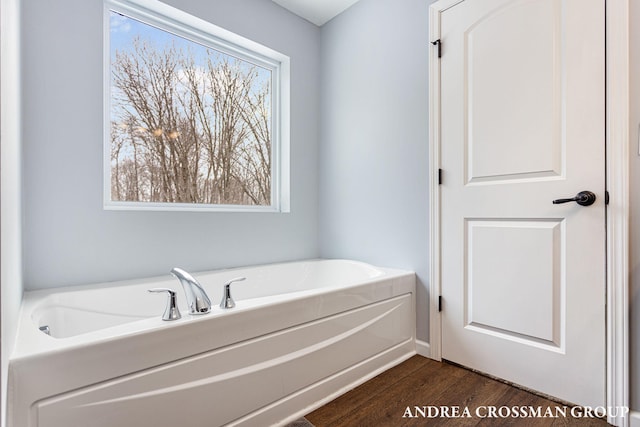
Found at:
(421, 382)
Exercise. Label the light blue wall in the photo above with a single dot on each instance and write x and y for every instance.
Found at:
(68, 238)
(374, 147)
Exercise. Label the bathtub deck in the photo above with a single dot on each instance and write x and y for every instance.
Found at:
(419, 381)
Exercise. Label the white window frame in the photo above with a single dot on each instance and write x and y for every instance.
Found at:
(182, 24)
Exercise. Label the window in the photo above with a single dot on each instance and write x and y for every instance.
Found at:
(196, 117)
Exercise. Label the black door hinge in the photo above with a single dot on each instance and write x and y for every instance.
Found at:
(439, 176)
(439, 303)
(606, 197)
(438, 44)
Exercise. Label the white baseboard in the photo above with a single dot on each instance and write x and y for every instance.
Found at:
(423, 349)
(634, 419)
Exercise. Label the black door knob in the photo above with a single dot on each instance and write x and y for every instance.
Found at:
(583, 198)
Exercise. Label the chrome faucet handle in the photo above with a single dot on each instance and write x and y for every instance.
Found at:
(171, 312)
(227, 301)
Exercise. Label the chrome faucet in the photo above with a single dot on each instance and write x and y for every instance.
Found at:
(197, 299)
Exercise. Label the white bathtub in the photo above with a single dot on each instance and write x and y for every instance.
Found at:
(301, 334)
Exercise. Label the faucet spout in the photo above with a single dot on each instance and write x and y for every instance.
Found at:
(197, 299)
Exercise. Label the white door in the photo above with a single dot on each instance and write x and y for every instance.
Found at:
(522, 124)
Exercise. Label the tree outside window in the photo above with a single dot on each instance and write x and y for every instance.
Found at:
(188, 123)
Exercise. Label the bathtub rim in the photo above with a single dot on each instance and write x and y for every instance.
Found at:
(30, 342)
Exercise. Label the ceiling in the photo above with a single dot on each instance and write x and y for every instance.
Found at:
(316, 11)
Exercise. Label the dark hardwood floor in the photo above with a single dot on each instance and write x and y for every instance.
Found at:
(390, 400)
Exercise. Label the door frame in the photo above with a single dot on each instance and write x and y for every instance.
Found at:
(617, 184)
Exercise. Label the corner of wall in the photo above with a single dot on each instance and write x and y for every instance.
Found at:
(373, 190)
(10, 186)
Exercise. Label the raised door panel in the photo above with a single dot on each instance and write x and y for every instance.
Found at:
(514, 285)
(513, 108)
